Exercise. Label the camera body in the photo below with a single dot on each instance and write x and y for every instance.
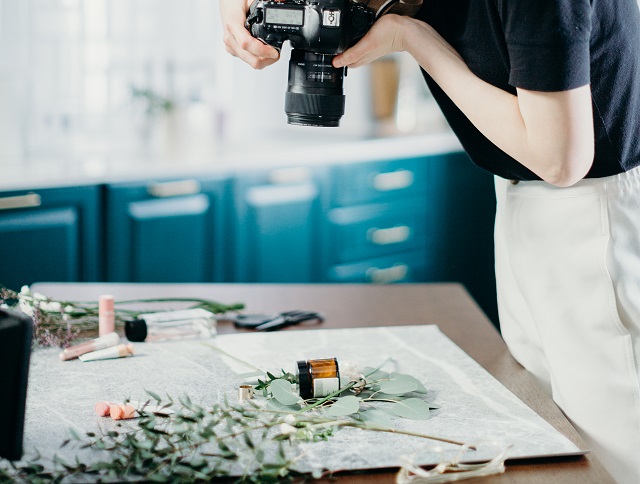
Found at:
(320, 26)
(317, 30)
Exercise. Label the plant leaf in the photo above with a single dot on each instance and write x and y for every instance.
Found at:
(273, 404)
(153, 395)
(412, 408)
(399, 385)
(344, 406)
(376, 375)
(282, 391)
(377, 418)
(420, 387)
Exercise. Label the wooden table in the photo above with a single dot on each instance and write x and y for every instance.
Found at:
(359, 305)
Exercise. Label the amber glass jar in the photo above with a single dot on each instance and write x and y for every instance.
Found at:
(318, 378)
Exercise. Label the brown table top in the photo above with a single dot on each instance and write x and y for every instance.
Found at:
(359, 305)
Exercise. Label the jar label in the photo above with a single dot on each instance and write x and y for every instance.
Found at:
(325, 386)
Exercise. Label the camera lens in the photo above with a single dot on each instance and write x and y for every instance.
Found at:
(314, 95)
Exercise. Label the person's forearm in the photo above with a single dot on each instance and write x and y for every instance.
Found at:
(533, 128)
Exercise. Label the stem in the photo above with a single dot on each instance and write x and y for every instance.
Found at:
(233, 357)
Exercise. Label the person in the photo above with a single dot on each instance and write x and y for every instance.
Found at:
(546, 96)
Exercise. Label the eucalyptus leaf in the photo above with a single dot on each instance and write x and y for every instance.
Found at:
(420, 387)
(153, 395)
(282, 391)
(412, 408)
(344, 406)
(376, 375)
(399, 385)
(377, 418)
(273, 404)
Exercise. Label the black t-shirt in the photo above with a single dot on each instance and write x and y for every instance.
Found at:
(548, 45)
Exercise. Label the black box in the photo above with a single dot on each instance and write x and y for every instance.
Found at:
(16, 334)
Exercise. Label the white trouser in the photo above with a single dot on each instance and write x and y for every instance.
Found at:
(568, 280)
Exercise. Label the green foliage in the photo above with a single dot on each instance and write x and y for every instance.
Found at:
(412, 408)
(256, 441)
(344, 406)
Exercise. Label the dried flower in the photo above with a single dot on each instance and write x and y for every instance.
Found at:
(59, 323)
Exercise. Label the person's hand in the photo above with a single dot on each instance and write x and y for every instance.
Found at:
(385, 36)
(237, 39)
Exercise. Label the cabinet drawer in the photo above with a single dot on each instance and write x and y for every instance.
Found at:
(405, 267)
(379, 181)
(376, 230)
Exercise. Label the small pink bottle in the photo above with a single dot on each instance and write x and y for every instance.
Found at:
(106, 315)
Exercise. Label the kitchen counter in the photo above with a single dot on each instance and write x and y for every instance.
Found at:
(59, 172)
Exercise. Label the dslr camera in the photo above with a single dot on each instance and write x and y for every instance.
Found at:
(318, 30)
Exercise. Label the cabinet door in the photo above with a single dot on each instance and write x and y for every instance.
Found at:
(50, 235)
(167, 231)
(277, 225)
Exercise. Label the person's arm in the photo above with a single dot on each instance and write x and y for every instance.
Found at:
(551, 133)
(237, 39)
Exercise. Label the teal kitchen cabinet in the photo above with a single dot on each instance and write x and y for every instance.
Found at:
(51, 234)
(278, 214)
(463, 196)
(377, 224)
(168, 230)
(424, 219)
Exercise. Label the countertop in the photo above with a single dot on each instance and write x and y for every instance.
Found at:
(60, 172)
(344, 306)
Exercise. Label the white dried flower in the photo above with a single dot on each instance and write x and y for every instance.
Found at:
(290, 419)
(52, 307)
(286, 429)
(24, 290)
(25, 307)
(40, 297)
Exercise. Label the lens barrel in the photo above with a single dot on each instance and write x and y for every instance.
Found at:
(314, 95)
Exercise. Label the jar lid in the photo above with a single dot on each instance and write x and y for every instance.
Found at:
(304, 380)
(135, 330)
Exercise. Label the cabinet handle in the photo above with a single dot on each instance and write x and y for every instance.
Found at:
(392, 235)
(284, 176)
(393, 180)
(391, 274)
(174, 188)
(20, 201)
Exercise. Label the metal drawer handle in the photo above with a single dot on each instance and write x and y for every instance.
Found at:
(284, 176)
(20, 201)
(174, 188)
(392, 235)
(394, 180)
(391, 274)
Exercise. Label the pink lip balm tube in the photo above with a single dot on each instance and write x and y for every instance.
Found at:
(119, 351)
(100, 343)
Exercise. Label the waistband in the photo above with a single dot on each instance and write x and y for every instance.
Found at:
(626, 181)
